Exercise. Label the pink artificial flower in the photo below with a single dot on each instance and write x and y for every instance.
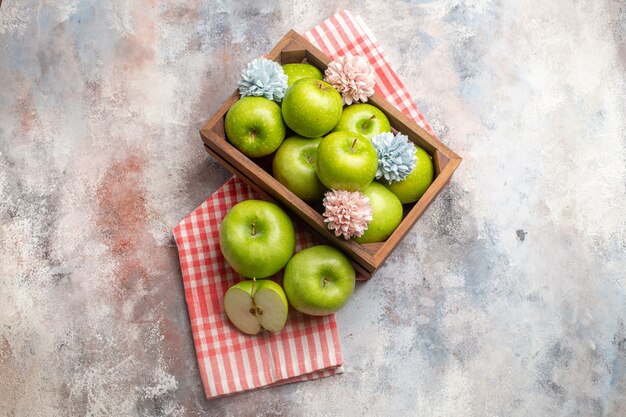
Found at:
(353, 77)
(347, 213)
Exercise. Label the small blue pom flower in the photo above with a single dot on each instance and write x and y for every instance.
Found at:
(396, 156)
(263, 77)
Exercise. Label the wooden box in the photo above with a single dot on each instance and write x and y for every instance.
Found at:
(369, 257)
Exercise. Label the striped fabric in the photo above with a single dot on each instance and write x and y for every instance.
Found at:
(308, 347)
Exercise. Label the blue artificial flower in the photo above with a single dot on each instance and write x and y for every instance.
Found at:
(263, 77)
(396, 156)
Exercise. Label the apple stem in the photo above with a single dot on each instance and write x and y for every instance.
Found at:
(372, 117)
(254, 228)
(324, 282)
(353, 143)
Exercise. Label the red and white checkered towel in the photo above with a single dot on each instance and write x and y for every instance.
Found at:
(231, 361)
(308, 347)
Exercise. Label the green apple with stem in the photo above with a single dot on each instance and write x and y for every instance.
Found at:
(319, 280)
(257, 238)
(254, 306)
(295, 72)
(254, 125)
(346, 161)
(311, 108)
(294, 167)
(363, 118)
(386, 214)
(417, 182)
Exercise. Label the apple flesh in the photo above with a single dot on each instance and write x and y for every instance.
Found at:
(294, 167)
(413, 187)
(254, 125)
(386, 214)
(254, 306)
(346, 161)
(296, 72)
(311, 107)
(319, 280)
(257, 238)
(363, 118)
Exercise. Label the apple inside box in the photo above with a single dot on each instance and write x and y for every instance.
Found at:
(257, 172)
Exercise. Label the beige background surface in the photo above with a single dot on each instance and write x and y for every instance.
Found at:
(506, 299)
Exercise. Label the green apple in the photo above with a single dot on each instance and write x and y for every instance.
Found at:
(254, 306)
(364, 119)
(346, 161)
(311, 107)
(254, 126)
(386, 214)
(257, 238)
(417, 182)
(319, 280)
(297, 71)
(294, 167)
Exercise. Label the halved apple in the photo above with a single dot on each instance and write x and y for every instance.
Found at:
(254, 306)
